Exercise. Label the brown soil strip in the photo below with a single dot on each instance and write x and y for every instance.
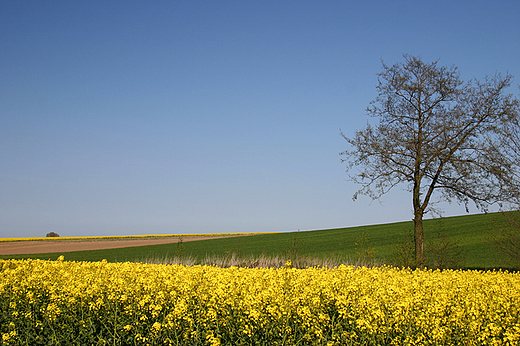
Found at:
(51, 246)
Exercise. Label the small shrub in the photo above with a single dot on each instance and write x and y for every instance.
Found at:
(443, 253)
(506, 237)
(404, 253)
(364, 248)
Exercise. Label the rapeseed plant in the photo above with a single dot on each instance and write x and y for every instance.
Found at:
(95, 303)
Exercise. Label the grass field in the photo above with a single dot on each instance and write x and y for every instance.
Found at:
(463, 240)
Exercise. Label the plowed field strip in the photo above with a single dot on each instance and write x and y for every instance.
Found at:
(50, 246)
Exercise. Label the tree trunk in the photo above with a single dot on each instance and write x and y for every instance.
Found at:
(418, 238)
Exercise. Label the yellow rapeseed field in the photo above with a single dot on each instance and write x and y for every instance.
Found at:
(99, 303)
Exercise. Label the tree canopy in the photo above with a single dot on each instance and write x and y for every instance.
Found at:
(437, 134)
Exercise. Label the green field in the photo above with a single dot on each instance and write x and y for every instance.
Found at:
(468, 238)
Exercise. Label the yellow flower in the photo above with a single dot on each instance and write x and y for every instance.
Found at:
(364, 304)
(156, 326)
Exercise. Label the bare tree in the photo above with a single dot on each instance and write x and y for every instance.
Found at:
(435, 134)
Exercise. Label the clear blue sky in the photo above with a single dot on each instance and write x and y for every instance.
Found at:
(134, 117)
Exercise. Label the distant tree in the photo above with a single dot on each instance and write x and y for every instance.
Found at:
(52, 234)
(436, 134)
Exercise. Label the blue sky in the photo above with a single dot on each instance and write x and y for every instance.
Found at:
(149, 117)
